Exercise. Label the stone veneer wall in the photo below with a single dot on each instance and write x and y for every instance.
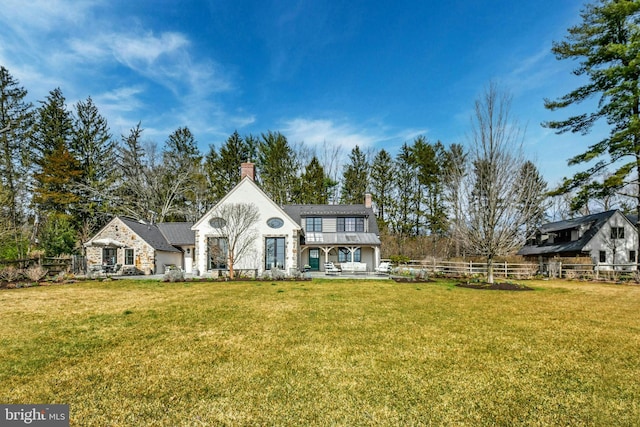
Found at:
(143, 253)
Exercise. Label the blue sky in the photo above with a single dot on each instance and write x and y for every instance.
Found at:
(326, 73)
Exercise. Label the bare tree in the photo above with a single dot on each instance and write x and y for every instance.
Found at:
(235, 222)
(495, 191)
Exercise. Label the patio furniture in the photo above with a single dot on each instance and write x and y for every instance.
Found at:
(383, 268)
(331, 269)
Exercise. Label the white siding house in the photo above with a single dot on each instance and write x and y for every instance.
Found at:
(607, 238)
(276, 245)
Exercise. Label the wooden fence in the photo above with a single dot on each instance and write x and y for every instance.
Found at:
(553, 269)
(75, 264)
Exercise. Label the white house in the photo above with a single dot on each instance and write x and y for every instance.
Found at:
(286, 238)
(607, 238)
(276, 247)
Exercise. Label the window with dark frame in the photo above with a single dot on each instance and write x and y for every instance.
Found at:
(218, 250)
(344, 255)
(314, 224)
(274, 253)
(617, 232)
(632, 256)
(128, 257)
(603, 256)
(350, 224)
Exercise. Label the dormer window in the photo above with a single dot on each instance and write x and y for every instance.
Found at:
(351, 224)
(313, 224)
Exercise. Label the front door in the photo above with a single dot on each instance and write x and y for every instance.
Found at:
(314, 259)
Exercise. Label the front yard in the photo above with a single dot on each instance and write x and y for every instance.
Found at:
(325, 352)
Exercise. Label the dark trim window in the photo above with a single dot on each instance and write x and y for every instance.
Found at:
(603, 256)
(314, 224)
(563, 236)
(632, 256)
(109, 256)
(217, 250)
(350, 224)
(344, 255)
(128, 257)
(617, 232)
(274, 254)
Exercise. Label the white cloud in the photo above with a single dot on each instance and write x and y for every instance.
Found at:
(318, 133)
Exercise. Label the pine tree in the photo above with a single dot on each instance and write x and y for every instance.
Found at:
(223, 168)
(355, 178)
(315, 185)
(58, 171)
(16, 119)
(183, 163)
(606, 45)
(94, 148)
(383, 186)
(278, 167)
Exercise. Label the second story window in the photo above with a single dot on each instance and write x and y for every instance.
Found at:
(617, 232)
(351, 224)
(314, 224)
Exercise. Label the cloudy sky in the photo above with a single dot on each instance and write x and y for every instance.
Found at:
(326, 73)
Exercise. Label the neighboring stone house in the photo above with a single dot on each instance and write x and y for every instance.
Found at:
(125, 245)
(607, 238)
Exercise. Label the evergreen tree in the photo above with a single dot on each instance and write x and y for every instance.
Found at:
(183, 162)
(223, 168)
(94, 148)
(16, 119)
(533, 197)
(429, 160)
(129, 198)
(58, 171)
(606, 45)
(277, 167)
(315, 185)
(355, 178)
(383, 186)
(406, 189)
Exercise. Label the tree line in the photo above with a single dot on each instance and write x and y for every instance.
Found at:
(63, 175)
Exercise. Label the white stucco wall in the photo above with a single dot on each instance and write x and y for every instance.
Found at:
(248, 192)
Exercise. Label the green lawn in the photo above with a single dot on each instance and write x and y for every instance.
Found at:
(331, 352)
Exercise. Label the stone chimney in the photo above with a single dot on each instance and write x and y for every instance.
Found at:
(248, 169)
(367, 200)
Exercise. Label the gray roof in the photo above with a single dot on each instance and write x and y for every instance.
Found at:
(178, 233)
(151, 234)
(345, 239)
(297, 212)
(591, 223)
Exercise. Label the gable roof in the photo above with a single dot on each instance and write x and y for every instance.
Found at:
(297, 212)
(150, 233)
(178, 233)
(590, 223)
(243, 182)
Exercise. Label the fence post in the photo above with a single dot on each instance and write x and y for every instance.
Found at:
(559, 269)
(506, 270)
(471, 268)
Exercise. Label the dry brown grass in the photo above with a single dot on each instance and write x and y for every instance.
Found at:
(324, 352)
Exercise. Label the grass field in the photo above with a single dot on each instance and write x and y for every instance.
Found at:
(331, 352)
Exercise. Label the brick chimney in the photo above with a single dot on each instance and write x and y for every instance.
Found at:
(367, 200)
(248, 169)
